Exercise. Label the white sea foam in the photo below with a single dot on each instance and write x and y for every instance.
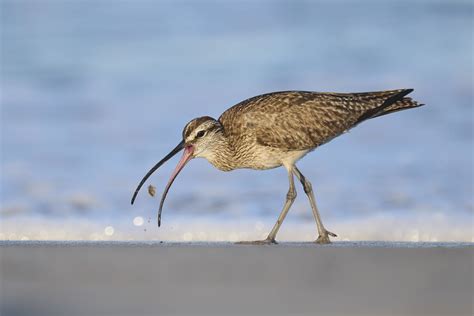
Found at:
(184, 228)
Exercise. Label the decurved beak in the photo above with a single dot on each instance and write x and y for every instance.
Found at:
(187, 155)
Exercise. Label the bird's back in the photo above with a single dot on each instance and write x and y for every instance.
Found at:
(301, 120)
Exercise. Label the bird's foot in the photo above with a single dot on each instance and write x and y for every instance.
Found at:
(267, 241)
(323, 238)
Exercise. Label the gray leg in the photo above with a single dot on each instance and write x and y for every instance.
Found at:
(290, 198)
(323, 233)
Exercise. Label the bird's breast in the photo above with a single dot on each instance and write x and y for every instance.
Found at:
(259, 158)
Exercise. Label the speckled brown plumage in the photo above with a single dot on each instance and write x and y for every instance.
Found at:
(268, 130)
(300, 120)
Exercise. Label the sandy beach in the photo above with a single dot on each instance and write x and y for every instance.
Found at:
(153, 278)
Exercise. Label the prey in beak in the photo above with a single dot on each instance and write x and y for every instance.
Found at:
(187, 155)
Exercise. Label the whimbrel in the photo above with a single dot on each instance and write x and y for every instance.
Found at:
(277, 129)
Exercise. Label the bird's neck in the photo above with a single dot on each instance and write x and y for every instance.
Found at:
(221, 154)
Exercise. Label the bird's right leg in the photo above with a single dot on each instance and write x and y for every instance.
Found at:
(290, 198)
(324, 234)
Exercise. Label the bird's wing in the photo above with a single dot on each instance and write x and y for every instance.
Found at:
(299, 120)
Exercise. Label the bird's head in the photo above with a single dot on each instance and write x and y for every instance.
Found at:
(199, 139)
(202, 134)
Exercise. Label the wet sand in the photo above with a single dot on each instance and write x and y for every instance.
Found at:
(152, 278)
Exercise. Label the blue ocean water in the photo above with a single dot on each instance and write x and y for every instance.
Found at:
(93, 93)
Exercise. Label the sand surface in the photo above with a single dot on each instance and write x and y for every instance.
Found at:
(152, 278)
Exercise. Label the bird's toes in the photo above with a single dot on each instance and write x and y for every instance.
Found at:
(323, 239)
(267, 241)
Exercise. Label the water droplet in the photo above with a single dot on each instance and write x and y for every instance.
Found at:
(109, 230)
(138, 221)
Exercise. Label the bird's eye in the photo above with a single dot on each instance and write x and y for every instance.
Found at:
(200, 134)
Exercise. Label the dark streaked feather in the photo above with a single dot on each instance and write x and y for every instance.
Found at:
(301, 120)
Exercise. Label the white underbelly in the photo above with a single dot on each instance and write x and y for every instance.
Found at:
(266, 158)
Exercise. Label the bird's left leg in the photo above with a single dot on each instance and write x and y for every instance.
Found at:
(323, 233)
(290, 198)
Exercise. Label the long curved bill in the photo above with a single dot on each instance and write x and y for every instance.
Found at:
(187, 155)
(162, 161)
